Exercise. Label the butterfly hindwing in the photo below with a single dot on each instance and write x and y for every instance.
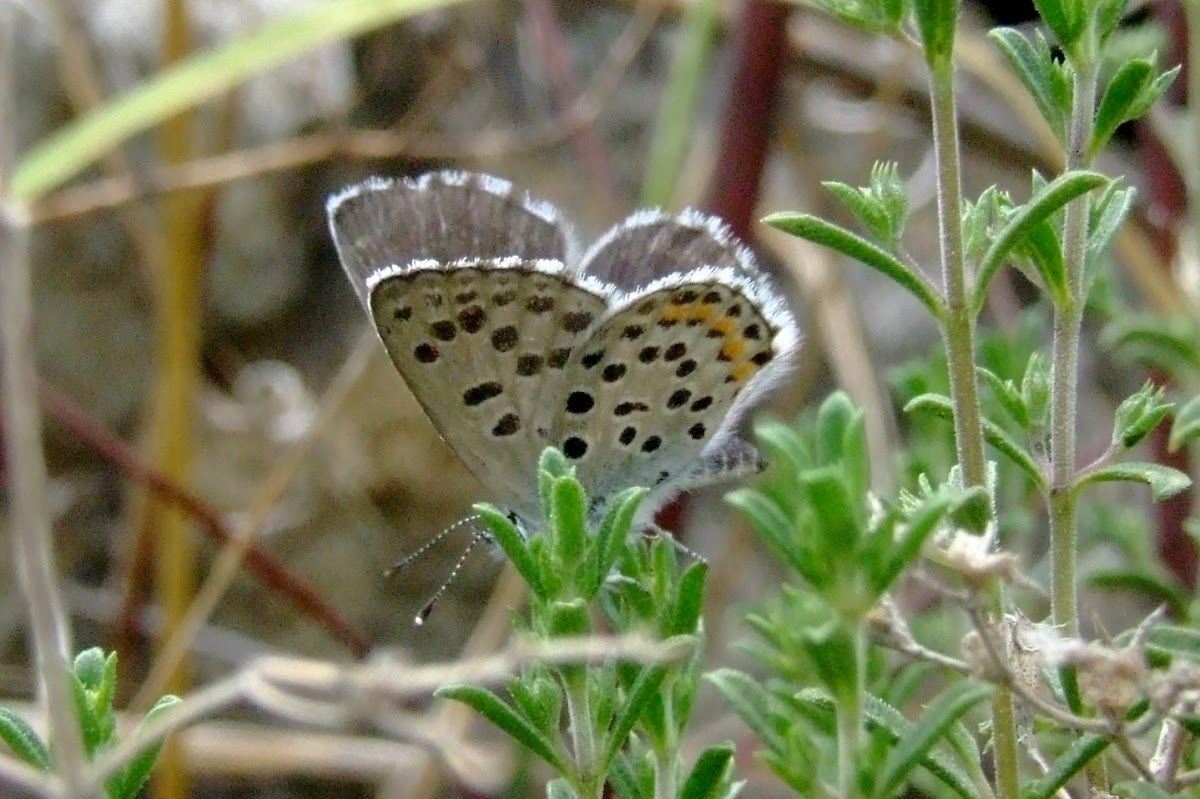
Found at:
(662, 376)
(483, 345)
(650, 244)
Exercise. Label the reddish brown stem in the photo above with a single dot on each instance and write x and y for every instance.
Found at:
(750, 110)
(1168, 209)
(110, 447)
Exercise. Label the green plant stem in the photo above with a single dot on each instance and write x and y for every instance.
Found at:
(1068, 322)
(664, 777)
(666, 755)
(959, 328)
(589, 779)
(958, 331)
(676, 117)
(1068, 325)
(850, 719)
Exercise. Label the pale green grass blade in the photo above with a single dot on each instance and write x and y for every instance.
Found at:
(62, 154)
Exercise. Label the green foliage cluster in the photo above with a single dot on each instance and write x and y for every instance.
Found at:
(625, 720)
(93, 684)
(841, 666)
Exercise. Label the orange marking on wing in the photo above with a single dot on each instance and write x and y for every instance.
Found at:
(725, 326)
(687, 313)
(743, 372)
(733, 348)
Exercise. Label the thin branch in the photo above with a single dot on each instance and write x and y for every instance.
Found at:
(103, 442)
(1108, 728)
(228, 562)
(277, 156)
(339, 695)
(1168, 753)
(29, 504)
(551, 43)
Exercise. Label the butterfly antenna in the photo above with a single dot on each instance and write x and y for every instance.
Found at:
(662, 532)
(421, 550)
(420, 618)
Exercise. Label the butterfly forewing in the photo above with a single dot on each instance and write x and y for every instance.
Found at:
(484, 346)
(445, 217)
(657, 380)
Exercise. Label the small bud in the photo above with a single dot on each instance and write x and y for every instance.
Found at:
(1138, 415)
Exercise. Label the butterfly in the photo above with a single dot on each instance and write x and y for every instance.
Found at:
(636, 356)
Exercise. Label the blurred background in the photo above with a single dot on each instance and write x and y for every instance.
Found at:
(198, 342)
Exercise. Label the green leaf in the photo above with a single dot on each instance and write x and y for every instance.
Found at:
(1007, 394)
(1164, 481)
(685, 616)
(709, 778)
(1168, 343)
(918, 742)
(568, 517)
(24, 741)
(1170, 641)
(1108, 214)
(769, 521)
(941, 405)
(513, 544)
(1129, 95)
(936, 21)
(560, 789)
(539, 698)
(864, 208)
(750, 701)
(91, 725)
(1138, 415)
(1186, 426)
(856, 456)
(1137, 789)
(835, 417)
(875, 16)
(1035, 390)
(552, 465)
(1082, 751)
(66, 152)
(1042, 250)
(841, 517)
(818, 709)
(1042, 78)
(495, 710)
(1148, 586)
(614, 532)
(623, 781)
(818, 231)
(1108, 15)
(126, 782)
(1066, 19)
(644, 689)
(784, 447)
(1046, 202)
(979, 220)
(921, 524)
(1120, 95)
(881, 207)
(106, 692)
(89, 668)
(1157, 89)
(567, 619)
